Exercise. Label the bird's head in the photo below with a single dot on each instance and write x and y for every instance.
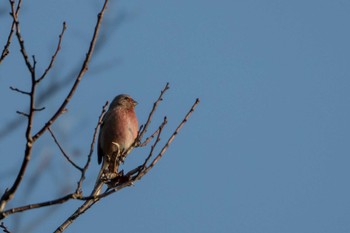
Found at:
(124, 101)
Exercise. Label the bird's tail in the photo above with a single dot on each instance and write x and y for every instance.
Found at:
(99, 183)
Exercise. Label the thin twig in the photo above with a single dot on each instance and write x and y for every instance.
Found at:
(19, 91)
(38, 109)
(155, 105)
(53, 58)
(22, 113)
(6, 50)
(19, 35)
(39, 205)
(165, 121)
(148, 139)
(63, 152)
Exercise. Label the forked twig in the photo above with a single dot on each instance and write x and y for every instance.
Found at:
(53, 58)
(14, 14)
(155, 105)
(159, 132)
(6, 50)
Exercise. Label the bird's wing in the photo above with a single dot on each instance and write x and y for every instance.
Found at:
(99, 148)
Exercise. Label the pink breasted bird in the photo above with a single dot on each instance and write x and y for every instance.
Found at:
(118, 132)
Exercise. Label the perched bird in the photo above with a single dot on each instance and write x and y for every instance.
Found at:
(118, 132)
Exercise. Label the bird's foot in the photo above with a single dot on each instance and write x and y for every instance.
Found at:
(107, 176)
(120, 178)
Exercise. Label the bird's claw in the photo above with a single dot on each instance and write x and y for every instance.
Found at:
(106, 176)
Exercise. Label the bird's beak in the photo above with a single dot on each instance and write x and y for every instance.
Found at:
(135, 103)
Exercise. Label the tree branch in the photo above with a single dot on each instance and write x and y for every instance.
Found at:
(20, 91)
(53, 58)
(19, 35)
(6, 50)
(144, 128)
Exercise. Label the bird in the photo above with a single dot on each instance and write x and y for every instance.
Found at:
(118, 132)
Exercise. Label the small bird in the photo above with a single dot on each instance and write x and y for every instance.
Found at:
(118, 132)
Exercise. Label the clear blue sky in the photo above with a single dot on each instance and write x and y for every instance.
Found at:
(267, 149)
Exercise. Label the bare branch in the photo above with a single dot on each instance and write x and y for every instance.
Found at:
(19, 91)
(22, 113)
(53, 58)
(38, 109)
(155, 105)
(63, 152)
(6, 50)
(39, 205)
(148, 139)
(165, 121)
(34, 63)
(19, 35)
(79, 77)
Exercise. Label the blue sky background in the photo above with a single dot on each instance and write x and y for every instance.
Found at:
(267, 150)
